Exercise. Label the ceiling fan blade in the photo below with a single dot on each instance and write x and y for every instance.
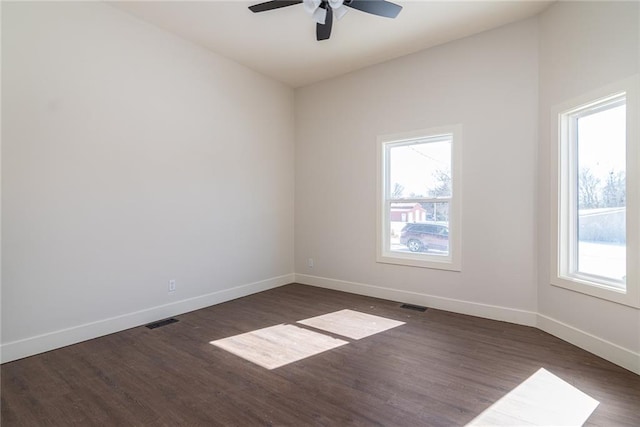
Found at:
(274, 4)
(323, 31)
(375, 7)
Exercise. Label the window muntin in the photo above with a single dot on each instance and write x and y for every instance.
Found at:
(418, 220)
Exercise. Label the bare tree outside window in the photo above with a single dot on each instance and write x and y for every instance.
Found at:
(398, 191)
(614, 193)
(588, 186)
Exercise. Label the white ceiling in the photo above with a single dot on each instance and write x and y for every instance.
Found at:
(281, 43)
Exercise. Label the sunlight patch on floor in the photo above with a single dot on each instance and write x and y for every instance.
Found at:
(541, 400)
(351, 324)
(278, 345)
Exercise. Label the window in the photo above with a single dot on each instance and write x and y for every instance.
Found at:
(595, 215)
(419, 190)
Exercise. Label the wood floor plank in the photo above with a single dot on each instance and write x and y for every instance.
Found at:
(438, 369)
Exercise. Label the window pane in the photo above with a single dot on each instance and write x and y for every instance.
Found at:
(601, 230)
(413, 228)
(421, 169)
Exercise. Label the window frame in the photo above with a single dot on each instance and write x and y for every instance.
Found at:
(564, 197)
(450, 262)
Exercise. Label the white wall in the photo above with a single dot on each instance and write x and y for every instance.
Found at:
(583, 46)
(501, 86)
(131, 157)
(489, 84)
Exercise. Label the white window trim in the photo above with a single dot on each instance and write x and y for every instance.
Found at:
(451, 262)
(561, 180)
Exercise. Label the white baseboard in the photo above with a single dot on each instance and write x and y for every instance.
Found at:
(591, 343)
(52, 340)
(511, 315)
(38, 344)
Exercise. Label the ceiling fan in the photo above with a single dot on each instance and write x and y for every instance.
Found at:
(322, 11)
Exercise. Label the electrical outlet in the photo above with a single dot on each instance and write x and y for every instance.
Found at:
(172, 285)
(310, 263)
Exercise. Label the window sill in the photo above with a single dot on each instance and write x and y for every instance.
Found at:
(422, 261)
(596, 290)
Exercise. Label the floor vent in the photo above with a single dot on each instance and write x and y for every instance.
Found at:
(161, 323)
(414, 307)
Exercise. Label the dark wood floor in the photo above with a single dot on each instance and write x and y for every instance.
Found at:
(439, 369)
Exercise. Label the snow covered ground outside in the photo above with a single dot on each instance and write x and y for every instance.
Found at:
(603, 259)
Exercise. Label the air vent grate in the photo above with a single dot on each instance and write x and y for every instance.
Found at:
(414, 307)
(161, 323)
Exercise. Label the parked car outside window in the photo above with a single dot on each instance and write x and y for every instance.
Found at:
(421, 237)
